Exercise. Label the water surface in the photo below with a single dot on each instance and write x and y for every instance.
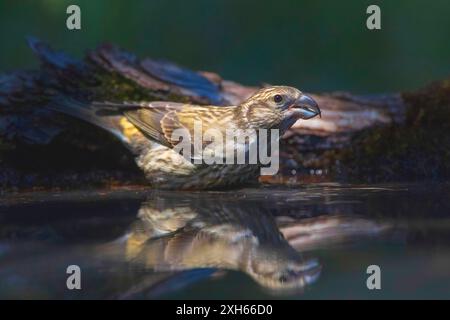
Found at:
(303, 242)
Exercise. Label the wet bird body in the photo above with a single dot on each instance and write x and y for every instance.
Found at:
(147, 130)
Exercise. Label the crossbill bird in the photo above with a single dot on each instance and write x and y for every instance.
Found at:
(147, 128)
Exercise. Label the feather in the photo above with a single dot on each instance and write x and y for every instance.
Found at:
(158, 120)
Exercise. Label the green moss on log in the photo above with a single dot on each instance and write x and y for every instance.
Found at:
(418, 149)
(113, 86)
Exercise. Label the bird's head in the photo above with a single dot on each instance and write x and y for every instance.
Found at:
(279, 107)
(282, 269)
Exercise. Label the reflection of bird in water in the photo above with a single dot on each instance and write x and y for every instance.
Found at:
(215, 234)
(177, 240)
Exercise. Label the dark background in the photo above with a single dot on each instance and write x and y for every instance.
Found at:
(315, 45)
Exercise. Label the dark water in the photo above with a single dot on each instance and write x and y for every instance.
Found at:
(297, 243)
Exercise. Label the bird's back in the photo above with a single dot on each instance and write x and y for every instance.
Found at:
(146, 129)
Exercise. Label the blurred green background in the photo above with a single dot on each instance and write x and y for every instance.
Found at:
(315, 45)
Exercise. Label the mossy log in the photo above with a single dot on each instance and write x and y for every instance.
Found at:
(387, 137)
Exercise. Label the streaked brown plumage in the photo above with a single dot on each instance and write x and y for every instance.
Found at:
(146, 129)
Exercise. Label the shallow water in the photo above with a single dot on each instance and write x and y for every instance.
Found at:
(305, 242)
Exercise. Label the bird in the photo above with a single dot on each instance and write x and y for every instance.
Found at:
(147, 130)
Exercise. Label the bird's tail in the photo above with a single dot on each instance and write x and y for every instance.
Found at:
(109, 119)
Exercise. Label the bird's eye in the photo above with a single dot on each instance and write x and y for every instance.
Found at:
(277, 98)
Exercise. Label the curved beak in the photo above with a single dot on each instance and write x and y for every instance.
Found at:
(306, 107)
